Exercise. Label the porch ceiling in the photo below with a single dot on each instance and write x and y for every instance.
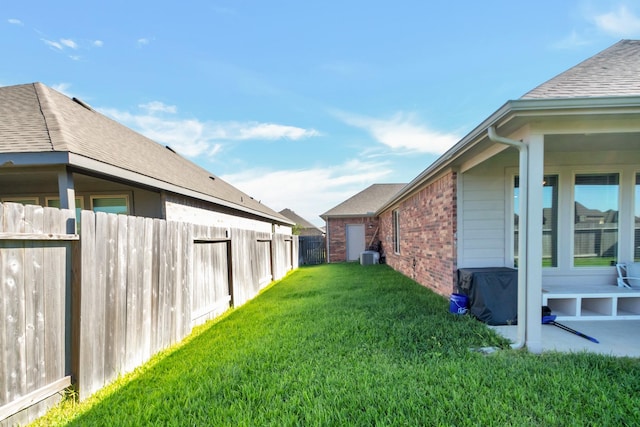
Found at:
(592, 142)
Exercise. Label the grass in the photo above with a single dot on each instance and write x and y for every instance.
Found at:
(343, 344)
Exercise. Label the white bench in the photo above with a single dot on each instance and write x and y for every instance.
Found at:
(605, 302)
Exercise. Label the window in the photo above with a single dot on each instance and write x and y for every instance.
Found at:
(118, 204)
(54, 202)
(22, 200)
(549, 220)
(396, 230)
(595, 241)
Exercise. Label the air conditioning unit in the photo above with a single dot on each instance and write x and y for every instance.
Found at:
(369, 258)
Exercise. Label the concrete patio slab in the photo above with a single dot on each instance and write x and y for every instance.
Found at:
(616, 337)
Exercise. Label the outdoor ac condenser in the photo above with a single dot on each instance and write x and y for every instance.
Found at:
(369, 258)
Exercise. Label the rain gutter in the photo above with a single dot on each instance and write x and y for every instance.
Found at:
(523, 226)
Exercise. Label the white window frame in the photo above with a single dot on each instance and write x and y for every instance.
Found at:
(17, 199)
(395, 225)
(125, 196)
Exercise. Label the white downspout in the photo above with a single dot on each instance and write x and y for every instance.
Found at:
(522, 235)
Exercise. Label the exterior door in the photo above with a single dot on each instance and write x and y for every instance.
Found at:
(355, 241)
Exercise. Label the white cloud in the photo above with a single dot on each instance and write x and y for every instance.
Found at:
(69, 43)
(329, 186)
(98, 43)
(620, 23)
(143, 41)
(271, 131)
(192, 137)
(53, 44)
(14, 21)
(571, 41)
(158, 107)
(402, 131)
(63, 88)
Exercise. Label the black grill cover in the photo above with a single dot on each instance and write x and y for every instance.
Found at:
(492, 293)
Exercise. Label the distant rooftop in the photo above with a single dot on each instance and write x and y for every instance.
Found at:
(366, 202)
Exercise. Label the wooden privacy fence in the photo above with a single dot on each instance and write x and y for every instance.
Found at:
(35, 308)
(313, 250)
(126, 289)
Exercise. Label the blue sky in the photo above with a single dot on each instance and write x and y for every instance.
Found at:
(302, 104)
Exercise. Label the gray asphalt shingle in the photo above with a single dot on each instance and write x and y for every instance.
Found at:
(36, 118)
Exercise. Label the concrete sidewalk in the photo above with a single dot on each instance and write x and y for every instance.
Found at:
(617, 337)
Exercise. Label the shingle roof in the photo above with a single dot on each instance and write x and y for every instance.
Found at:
(307, 228)
(612, 72)
(36, 118)
(366, 202)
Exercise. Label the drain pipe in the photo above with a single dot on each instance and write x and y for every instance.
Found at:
(523, 230)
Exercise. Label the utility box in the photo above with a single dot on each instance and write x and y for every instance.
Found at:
(492, 293)
(369, 258)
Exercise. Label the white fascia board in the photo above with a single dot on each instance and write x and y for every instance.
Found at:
(520, 108)
(34, 158)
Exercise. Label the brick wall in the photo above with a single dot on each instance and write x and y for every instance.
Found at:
(337, 235)
(427, 236)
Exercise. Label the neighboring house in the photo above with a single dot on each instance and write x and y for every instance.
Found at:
(549, 183)
(57, 151)
(302, 226)
(312, 248)
(352, 226)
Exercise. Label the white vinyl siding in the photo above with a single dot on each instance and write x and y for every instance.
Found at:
(481, 240)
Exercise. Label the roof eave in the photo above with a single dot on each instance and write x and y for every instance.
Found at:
(515, 108)
(84, 163)
(94, 165)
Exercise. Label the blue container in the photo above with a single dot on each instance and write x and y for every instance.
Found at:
(459, 304)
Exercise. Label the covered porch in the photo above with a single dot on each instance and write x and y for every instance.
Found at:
(554, 194)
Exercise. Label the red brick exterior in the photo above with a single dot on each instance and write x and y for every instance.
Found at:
(337, 235)
(427, 236)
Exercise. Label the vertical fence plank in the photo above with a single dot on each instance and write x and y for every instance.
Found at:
(56, 276)
(147, 286)
(132, 331)
(112, 297)
(85, 351)
(11, 276)
(120, 287)
(34, 305)
(155, 287)
(164, 294)
(186, 278)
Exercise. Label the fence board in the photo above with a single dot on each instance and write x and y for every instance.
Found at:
(164, 288)
(56, 272)
(34, 306)
(112, 309)
(87, 377)
(120, 295)
(147, 288)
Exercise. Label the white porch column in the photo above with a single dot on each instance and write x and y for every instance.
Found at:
(67, 194)
(533, 333)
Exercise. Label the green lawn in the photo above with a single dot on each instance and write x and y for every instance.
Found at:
(342, 345)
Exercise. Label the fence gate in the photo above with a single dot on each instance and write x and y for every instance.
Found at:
(35, 323)
(312, 250)
(211, 294)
